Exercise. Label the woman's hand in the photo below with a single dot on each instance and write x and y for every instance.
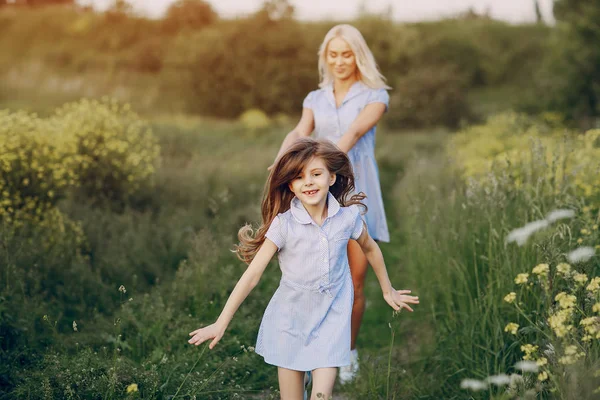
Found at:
(214, 332)
(399, 299)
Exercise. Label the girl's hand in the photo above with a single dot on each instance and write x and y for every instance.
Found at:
(399, 299)
(214, 332)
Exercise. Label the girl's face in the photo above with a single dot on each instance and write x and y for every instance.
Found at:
(340, 59)
(311, 186)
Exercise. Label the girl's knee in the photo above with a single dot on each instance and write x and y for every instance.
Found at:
(323, 381)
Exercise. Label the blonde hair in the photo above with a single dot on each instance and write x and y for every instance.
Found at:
(365, 62)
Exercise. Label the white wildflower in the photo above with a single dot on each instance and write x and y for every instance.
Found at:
(581, 254)
(473, 384)
(498, 380)
(559, 214)
(521, 235)
(527, 366)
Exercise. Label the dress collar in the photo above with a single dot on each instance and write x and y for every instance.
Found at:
(356, 88)
(303, 217)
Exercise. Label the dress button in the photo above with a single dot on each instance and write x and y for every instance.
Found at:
(323, 239)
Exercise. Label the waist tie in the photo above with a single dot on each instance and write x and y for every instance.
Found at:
(314, 288)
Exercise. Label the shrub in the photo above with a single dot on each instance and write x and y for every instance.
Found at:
(429, 96)
(505, 143)
(35, 166)
(115, 150)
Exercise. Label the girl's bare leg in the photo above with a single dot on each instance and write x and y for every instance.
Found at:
(358, 269)
(323, 381)
(291, 384)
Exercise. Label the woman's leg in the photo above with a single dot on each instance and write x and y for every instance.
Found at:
(291, 384)
(323, 381)
(358, 268)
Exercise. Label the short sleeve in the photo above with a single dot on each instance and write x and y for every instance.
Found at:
(379, 96)
(308, 100)
(359, 223)
(277, 232)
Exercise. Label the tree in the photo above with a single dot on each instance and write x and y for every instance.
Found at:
(577, 63)
(189, 15)
(538, 12)
(34, 2)
(278, 9)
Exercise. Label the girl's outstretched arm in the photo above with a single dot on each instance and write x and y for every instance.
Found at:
(242, 289)
(397, 299)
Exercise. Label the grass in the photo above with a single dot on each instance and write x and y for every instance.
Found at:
(170, 249)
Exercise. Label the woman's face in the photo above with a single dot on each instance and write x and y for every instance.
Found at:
(340, 59)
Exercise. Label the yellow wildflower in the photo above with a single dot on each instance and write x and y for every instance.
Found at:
(595, 227)
(132, 388)
(566, 300)
(587, 338)
(585, 232)
(509, 298)
(512, 328)
(541, 270)
(528, 349)
(558, 322)
(588, 321)
(579, 241)
(521, 279)
(581, 279)
(596, 307)
(594, 285)
(543, 376)
(571, 350)
(542, 361)
(564, 269)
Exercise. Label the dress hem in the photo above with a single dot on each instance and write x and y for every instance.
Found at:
(329, 365)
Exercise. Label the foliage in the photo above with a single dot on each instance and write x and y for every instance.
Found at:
(36, 166)
(188, 15)
(570, 78)
(429, 96)
(115, 150)
(258, 62)
(505, 143)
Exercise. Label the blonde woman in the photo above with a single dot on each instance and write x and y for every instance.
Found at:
(351, 100)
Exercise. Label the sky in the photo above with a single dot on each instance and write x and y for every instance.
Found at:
(515, 11)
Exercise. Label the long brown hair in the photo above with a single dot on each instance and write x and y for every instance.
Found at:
(277, 196)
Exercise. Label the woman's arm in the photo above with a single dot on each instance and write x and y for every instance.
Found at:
(304, 128)
(368, 118)
(397, 299)
(242, 289)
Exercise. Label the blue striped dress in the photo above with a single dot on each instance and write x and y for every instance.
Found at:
(331, 122)
(307, 322)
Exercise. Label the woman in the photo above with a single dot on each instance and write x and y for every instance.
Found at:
(351, 100)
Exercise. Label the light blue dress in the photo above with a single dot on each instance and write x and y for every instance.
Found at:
(332, 122)
(307, 322)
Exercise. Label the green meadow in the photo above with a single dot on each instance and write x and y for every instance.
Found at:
(119, 212)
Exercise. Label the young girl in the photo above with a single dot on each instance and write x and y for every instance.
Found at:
(308, 217)
(351, 99)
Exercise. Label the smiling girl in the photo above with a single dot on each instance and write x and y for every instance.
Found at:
(309, 215)
(346, 109)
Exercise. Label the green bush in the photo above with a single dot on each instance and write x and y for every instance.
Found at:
(188, 15)
(429, 96)
(35, 166)
(115, 151)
